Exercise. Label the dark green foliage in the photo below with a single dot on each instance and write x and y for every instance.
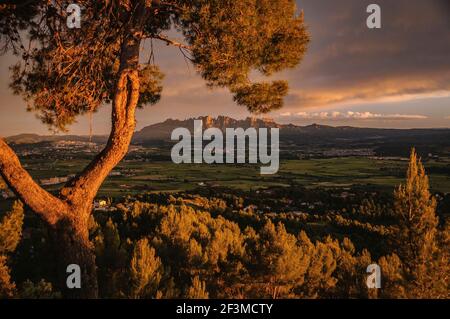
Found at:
(262, 97)
(190, 253)
(197, 290)
(145, 270)
(189, 246)
(15, 15)
(231, 39)
(7, 287)
(423, 254)
(41, 290)
(415, 210)
(10, 235)
(150, 86)
(67, 72)
(11, 229)
(279, 262)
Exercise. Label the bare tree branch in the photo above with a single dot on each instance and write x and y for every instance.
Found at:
(171, 42)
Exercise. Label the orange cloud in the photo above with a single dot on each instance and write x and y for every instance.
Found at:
(379, 90)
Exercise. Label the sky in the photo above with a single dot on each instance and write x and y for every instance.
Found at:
(397, 76)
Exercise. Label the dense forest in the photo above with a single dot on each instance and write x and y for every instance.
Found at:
(163, 246)
(65, 70)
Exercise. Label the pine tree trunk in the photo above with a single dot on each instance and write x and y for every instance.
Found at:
(72, 246)
(67, 213)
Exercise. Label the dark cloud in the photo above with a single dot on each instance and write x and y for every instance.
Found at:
(410, 54)
(346, 62)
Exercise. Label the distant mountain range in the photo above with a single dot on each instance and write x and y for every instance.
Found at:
(312, 135)
(163, 131)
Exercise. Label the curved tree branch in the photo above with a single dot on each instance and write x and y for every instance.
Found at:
(83, 188)
(86, 185)
(171, 42)
(50, 208)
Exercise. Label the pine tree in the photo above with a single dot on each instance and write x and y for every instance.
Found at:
(281, 262)
(443, 260)
(392, 277)
(65, 73)
(322, 264)
(114, 252)
(7, 287)
(11, 229)
(111, 258)
(10, 235)
(197, 290)
(415, 210)
(350, 270)
(145, 270)
(415, 238)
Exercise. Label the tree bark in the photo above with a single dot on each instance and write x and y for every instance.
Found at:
(87, 184)
(68, 224)
(72, 246)
(47, 206)
(67, 214)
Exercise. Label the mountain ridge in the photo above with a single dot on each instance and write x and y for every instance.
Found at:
(162, 131)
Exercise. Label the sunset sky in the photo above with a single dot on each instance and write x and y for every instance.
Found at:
(398, 76)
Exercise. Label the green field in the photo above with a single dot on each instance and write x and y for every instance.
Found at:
(139, 177)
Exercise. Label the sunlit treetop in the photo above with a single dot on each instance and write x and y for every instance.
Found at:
(67, 72)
